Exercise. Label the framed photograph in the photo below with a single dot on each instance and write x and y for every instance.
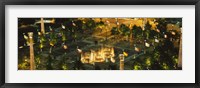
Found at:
(101, 43)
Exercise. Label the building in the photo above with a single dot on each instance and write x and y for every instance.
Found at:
(103, 54)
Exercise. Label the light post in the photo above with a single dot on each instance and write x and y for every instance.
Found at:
(180, 53)
(131, 34)
(32, 62)
(117, 23)
(121, 58)
(42, 26)
(78, 59)
(108, 26)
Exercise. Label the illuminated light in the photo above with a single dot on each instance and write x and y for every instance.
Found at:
(117, 23)
(26, 60)
(147, 44)
(165, 36)
(156, 23)
(113, 60)
(63, 26)
(148, 62)
(157, 30)
(25, 37)
(73, 24)
(46, 21)
(156, 40)
(84, 22)
(38, 59)
(30, 34)
(101, 27)
(39, 33)
(135, 18)
(49, 21)
(125, 54)
(65, 47)
(79, 50)
(173, 33)
(21, 47)
(176, 60)
(64, 67)
(150, 22)
(53, 21)
(107, 21)
(137, 49)
(153, 24)
(165, 66)
(41, 46)
(51, 43)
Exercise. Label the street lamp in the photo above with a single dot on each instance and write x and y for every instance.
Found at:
(180, 52)
(121, 58)
(32, 62)
(42, 26)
